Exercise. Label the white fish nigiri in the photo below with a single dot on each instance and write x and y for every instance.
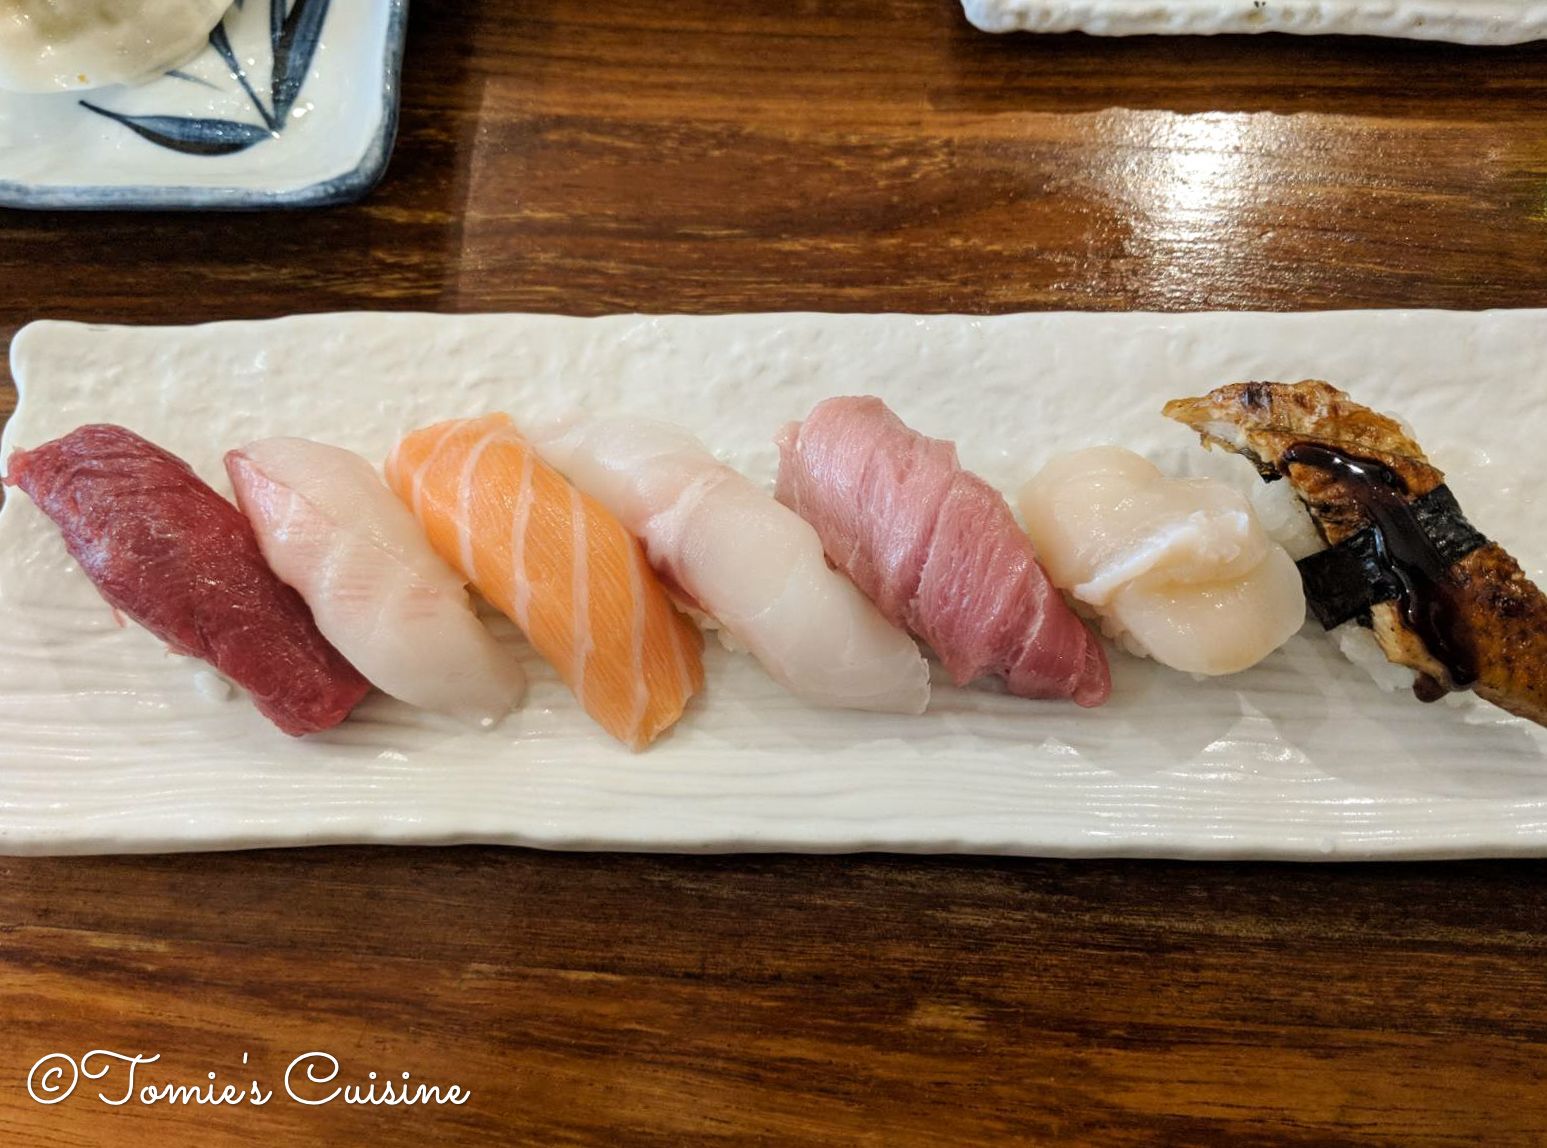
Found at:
(329, 527)
(753, 565)
(1179, 570)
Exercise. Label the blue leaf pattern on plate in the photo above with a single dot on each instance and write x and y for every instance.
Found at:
(295, 31)
(222, 44)
(189, 135)
(179, 74)
(294, 50)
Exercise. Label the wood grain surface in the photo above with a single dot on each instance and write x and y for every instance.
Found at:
(588, 156)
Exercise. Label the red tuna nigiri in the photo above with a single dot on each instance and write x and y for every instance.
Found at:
(165, 549)
(937, 549)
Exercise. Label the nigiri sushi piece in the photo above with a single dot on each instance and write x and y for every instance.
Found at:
(1179, 569)
(750, 563)
(1402, 560)
(162, 547)
(559, 565)
(330, 528)
(937, 550)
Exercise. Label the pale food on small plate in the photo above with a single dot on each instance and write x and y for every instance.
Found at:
(74, 45)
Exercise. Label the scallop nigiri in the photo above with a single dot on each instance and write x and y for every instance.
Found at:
(750, 563)
(559, 565)
(330, 528)
(1179, 569)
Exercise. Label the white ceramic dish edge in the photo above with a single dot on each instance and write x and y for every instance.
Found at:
(1478, 22)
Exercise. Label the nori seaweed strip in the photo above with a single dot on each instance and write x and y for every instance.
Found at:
(1344, 581)
(1441, 519)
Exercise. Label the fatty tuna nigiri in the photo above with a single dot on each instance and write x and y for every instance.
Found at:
(559, 565)
(163, 547)
(749, 562)
(937, 549)
(330, 528)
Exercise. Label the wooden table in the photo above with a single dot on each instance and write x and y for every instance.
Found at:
(603, 155)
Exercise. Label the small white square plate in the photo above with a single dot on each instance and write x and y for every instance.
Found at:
(1462, 21)
(109, 744)
(290, 105)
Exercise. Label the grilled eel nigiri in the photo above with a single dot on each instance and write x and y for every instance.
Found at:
(1441, 599)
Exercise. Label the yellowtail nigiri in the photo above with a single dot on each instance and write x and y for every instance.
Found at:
(330, 528)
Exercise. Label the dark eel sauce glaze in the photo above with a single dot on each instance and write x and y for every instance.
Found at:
(1428, 596)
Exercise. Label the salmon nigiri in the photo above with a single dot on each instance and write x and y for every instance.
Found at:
(559, 565)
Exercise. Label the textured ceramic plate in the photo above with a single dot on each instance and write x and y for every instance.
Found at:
(1464, 21)
(107, 743)
(292, 104)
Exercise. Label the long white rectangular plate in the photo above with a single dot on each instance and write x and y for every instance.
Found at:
(1462, 21)
(107, 743)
